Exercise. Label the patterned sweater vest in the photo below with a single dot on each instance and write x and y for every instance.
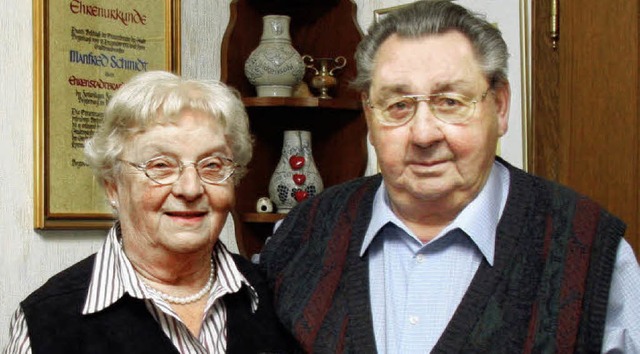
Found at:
(547, 291)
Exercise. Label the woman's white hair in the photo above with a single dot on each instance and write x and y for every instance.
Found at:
(159, 97)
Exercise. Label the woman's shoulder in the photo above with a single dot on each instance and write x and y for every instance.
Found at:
(70, 281)
(248, 269)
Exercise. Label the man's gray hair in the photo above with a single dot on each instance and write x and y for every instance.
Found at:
(429, 17)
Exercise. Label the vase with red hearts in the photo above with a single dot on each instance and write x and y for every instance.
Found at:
(296, 176)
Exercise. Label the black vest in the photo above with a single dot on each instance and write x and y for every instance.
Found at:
(56, 324)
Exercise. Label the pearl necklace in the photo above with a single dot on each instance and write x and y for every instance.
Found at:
(180, 300)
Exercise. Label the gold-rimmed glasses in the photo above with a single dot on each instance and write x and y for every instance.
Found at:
(448, 107)
(165, 170)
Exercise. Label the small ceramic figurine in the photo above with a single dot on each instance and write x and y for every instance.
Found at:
(264, 205)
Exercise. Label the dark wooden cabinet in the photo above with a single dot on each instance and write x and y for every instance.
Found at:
(319, 28)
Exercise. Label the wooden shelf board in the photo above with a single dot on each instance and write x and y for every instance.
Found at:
(262, 217)
(336, 103)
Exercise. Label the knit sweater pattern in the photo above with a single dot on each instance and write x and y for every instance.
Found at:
(547, 291)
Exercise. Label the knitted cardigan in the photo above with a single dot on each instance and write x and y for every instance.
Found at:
(546, 292)
(56, 324)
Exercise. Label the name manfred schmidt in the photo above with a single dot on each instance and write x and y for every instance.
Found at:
(110, 61)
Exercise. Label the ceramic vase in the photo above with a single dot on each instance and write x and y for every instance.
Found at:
(274, 67)
(296, 176)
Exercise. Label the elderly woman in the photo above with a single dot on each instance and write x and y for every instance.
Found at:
(168, 155)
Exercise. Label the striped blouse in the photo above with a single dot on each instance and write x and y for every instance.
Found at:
(113, 276)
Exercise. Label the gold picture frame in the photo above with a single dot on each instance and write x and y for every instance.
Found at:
(83, 51)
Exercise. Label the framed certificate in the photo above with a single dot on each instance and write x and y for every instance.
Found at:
(84, 51)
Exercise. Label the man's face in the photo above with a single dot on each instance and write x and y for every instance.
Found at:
(426, 160)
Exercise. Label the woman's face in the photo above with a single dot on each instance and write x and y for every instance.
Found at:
(186, 216)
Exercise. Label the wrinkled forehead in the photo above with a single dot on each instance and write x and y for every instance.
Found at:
(436, 62)
(167, 116)
(193, 130)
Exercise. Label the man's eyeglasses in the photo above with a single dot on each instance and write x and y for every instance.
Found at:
(450, 108)
(165, 170)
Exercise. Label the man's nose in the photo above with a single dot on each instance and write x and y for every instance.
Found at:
(425, 127)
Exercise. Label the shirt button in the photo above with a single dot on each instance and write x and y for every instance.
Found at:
(420, 258)
(414, 319)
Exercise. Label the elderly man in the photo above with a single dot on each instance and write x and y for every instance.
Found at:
(450, 249)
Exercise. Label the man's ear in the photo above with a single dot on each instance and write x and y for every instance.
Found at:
(502, 94)
(368, 114)
(365, 107)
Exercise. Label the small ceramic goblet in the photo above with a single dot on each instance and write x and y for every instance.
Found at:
(323, 79)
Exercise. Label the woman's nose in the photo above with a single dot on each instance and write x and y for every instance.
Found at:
(189, 185)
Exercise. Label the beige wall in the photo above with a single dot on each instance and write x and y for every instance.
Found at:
(29, 257)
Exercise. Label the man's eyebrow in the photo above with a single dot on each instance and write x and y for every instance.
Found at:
(457, 85)
(448, 86)
(394, 90)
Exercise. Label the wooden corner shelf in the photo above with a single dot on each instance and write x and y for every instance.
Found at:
(319, 28)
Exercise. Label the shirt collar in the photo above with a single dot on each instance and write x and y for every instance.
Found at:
(113, 276)
(479, 220)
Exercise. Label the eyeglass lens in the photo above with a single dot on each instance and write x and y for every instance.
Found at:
(450, 108)
(167, 170)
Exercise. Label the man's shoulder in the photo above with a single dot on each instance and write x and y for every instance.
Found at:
(352, 185)
(70, 281)
(336, 195)
(336, 200)
(523, 181)
(558, 199)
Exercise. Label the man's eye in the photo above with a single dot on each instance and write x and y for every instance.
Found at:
(448, 101)
(399, 106)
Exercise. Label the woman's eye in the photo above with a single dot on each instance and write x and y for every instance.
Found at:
(160, 164)
(211, 165)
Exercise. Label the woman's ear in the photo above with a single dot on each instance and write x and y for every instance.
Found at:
(111, 190)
